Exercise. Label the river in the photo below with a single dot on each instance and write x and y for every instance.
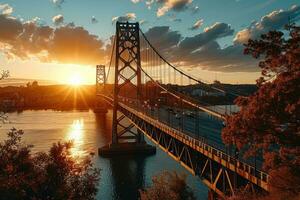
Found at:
(121, 177)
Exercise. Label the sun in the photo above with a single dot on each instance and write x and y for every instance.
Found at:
(75, 80)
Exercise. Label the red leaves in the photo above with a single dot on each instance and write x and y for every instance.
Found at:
(269, 120)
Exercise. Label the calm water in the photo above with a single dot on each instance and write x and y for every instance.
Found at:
(121, 177)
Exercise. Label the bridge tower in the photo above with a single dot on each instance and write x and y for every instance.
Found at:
(127, 85)
(100, 104)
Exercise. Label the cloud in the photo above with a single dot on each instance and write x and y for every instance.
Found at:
(165, 6)
(58, 3)
(125, 18)
(10, 28)
(135, 1)
(94, 20)
(217, 30)
(197, 24)
(6, 9)
(272, 21)
(175, 5)
(195, 9)
(201, 50)
(64, 44)
(163, 37)
(58, 20)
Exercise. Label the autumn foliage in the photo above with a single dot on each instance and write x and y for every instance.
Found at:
(54, 175)
(269, 120)
(168, 185)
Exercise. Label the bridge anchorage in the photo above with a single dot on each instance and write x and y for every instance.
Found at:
(126, 139)
(151, 98)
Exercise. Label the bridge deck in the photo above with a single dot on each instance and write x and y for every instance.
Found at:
(206, 139)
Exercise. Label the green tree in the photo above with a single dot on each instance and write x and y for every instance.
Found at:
(168, 186)
(55, 175)
(269, 120)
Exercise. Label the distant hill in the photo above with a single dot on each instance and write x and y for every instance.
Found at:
(22, 82)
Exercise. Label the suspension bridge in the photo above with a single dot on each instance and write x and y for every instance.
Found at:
(151, 97)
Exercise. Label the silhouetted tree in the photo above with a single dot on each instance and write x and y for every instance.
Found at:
(4, 74)
(269, 120)
(168, 186)
(34, 84)
(55, 175)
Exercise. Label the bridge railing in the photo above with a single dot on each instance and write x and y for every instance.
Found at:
(257, 176)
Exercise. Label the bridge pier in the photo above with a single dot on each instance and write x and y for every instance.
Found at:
(100, 106)
(125, 138)
(139, 147)
(128, 148)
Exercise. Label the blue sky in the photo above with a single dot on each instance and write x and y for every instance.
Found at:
(178, 15)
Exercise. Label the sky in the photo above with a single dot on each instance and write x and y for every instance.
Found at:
(58, 40)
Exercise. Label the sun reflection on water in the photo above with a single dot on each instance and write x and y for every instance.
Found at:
(76, 135)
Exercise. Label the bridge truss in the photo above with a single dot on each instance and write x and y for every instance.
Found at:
(154, 96)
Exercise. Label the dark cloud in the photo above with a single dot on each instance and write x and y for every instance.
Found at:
(10, 28)
(163, 37)
(273, 21)
(65, 44)
(201, 50)
(218, 30)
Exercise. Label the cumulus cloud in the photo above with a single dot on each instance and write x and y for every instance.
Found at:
(10, 28)
(124, 18)
(197, 24)
(166, 5)
(6, 9)
(94, 20)
(64, 44)
(201, 50)
(217, 30)
(163, 37)
(272, 21)
(58, 19)
(175, 5)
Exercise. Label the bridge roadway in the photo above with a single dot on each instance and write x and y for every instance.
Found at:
(198, 130)
(196, 124)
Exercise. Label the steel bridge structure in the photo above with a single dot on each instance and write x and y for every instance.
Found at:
(152, 95)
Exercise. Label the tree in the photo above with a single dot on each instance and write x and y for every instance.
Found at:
(168, 186)
(4, 74)
(55, 175)
(34, 84)
(269, 120)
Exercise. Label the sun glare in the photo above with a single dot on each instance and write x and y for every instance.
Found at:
(75, 80)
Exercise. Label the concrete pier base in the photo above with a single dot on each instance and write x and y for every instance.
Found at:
(129, 148)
